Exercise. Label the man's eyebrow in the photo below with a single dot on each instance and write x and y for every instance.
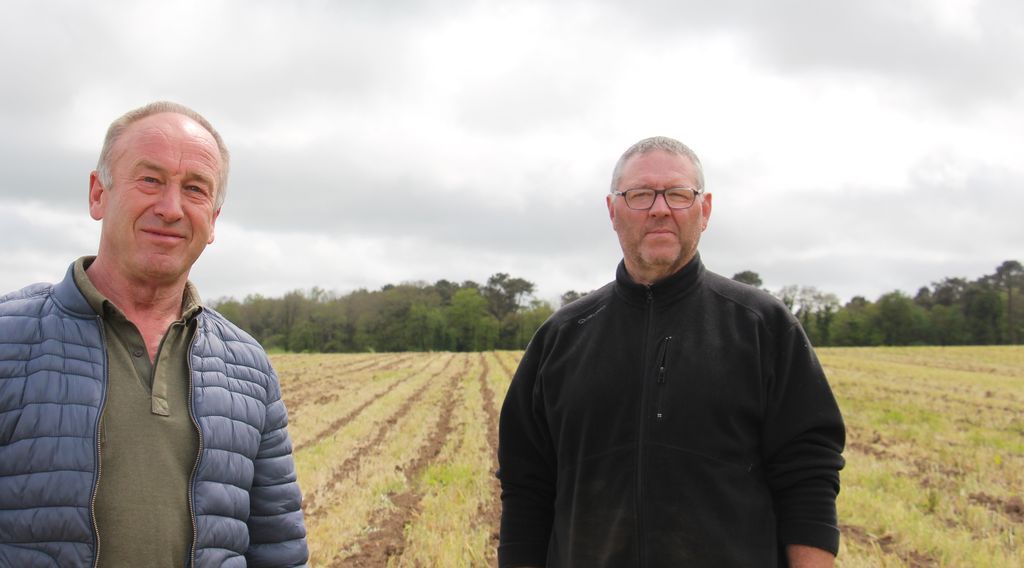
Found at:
(192, 175)
(197, 176)
(148, 165)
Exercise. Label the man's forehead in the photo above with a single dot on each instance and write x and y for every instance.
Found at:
(659, 163)
(169, 128)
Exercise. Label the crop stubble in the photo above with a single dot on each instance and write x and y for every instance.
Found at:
(396, 455)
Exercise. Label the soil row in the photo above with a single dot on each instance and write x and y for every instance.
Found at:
(312, 388)
(343, 421)
(388, 538)
(342, 471)
(490, 515)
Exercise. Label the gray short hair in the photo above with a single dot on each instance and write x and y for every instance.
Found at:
(118, 127)
(663, 143)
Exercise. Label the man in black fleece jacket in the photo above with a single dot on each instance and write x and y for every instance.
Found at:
(673, 417)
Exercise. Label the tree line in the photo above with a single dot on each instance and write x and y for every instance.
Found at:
(503, 314)
(952, 311)
(443, 316)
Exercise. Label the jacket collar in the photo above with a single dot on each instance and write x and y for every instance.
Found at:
(662, 291)
(70, 298)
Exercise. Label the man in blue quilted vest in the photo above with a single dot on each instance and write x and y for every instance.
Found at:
(138, 427)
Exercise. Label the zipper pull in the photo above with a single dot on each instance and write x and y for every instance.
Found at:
(663, 353)
(662, 359)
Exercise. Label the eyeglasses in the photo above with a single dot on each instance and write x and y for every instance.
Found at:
(643, 199)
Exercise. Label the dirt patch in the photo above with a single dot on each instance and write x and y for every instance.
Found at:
(889, 544)
(387, 537)
(926, 471)
(1012, 507)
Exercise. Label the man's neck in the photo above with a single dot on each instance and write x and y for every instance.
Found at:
(648, 275)
(152, 308)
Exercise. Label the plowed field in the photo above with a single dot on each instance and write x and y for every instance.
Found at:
(395, 454)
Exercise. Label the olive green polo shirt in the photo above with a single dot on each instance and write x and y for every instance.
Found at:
(148, 440)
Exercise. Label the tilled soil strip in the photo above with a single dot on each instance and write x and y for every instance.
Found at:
(307, 390)
(339, 474)
(504, 366)
(388, 540)
(490, 514)
(344, 420)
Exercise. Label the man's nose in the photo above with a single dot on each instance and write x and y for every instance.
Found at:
(168, 206)
(660, 206)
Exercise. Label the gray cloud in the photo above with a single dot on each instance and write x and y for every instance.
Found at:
(381, 142)
(968, 59)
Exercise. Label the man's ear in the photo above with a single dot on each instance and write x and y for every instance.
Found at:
(97, 196)
(608, 200)
(705, 210)
(213, 226)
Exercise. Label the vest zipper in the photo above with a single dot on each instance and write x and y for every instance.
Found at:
(99, 445)
(662, 358)
(199, 451)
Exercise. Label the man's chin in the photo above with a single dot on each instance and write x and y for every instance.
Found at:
(663, 258)
(163, 269)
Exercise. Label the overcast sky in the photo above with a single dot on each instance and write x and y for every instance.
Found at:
(857, 147)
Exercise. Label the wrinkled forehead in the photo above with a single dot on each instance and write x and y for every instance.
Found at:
(172, 136)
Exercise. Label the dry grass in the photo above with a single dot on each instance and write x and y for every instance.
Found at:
(935, 455)
(396, 455)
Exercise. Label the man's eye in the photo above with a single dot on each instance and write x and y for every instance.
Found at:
(150, 179)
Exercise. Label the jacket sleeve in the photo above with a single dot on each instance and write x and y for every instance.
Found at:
(526, 462)
(803, 440)
(277, 533)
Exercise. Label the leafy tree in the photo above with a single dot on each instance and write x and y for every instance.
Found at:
(1009, 275)
(748, 277)
(947, 325)
(949, 291)
(899, 320)
(854, 324)
(470, 325)
(446, 290)
(983, 310)
(504, 294)
(788, 296)
(923, 297)
(571, 296)
(530, 320)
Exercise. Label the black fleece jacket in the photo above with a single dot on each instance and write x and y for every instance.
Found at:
(687, 423)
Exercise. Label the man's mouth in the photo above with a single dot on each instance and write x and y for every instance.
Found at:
(165, 236)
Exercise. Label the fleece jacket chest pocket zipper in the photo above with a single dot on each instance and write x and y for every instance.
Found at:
(661, 379)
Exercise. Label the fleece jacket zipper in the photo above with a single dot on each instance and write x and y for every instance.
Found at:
(642, 413)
